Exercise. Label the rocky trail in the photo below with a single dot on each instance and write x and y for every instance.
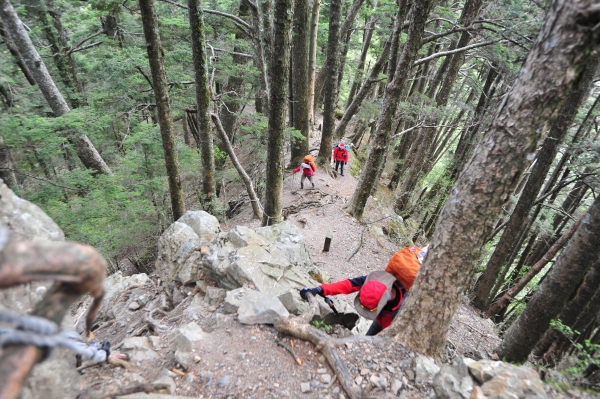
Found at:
(201, 325)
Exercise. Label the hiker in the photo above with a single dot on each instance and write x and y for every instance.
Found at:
(380, 293)
(309, 168)
(340, 156)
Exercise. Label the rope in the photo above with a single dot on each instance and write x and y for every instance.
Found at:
(42, 333)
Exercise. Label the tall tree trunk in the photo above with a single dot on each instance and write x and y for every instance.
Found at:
(363, 92)
(262, 95)
(514, 229)
(86, 151)
(450, 67)
(331, 66)
(360, 69)
(381, 138)
(203, 102)
(161, 95)
(312, 57)
(266, 8)
(554, 64)
(572, 310)
(12, 48)
(300, 72)
(235, 82)
(254, 201)
(7, 174)
(343, 39)
(278, 75)
(555, 290)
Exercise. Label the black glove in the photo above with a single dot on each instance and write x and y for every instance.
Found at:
(346, 162)
(314, 291)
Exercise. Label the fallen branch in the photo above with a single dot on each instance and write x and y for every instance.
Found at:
(289, 349)
(362, 234)
(111, 393)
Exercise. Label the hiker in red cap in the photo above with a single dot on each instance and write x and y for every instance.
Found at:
(340, 156)
(379, 299)
(381, 293)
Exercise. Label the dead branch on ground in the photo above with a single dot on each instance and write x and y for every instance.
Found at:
(114, 392)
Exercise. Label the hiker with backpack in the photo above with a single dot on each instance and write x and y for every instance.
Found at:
(380, 293)
(308, 168)
(340, 156)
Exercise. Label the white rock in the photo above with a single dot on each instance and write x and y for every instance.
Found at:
(259, 308)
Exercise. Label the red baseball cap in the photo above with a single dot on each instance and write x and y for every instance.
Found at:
(374, 294)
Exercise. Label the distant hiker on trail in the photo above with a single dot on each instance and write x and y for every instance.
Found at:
(381, 293)
(340, 156)
(309, 168)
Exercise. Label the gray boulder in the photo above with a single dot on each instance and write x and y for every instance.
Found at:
(233, 300)
(183, 338)
(287, 238)
(453, 381)
(425, 368)
(205, 225)
(176, 244)
(260, 308)
(26, 221)
(214, 296)
(503, 380)
(292, 301)
(53, 378)
(139, 349)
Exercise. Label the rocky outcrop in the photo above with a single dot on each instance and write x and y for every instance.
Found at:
(270, 260)
(26, 221)
(179, 247)
(465, 379)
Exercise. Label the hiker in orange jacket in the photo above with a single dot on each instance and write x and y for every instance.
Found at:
(308, 168)
(380, 293)
(340, 156)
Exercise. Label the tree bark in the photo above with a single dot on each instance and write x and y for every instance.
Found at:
(235, 82)
(203, 103)
(555, 290)
(514, 229)
(7, 173)
(312, 58)
(360, 69)
(278, 75)
(254, 201)
(535, 269)
(572, 310)
(12, 48)
(266, 8)
(86, 151)
(331, 66)
(300, 72)
(161, 95)
(363, 92)
(393, 90)
(553, 66)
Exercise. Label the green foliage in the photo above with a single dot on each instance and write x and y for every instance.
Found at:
(321, 325)
(585, 350)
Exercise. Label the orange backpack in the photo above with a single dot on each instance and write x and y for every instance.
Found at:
(311, 161)
(405, 265)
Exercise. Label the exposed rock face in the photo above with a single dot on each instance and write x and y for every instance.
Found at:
(54, 378)
(260, 308)
(179, 257)
(25, 220)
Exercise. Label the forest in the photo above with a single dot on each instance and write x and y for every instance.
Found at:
(476, 122)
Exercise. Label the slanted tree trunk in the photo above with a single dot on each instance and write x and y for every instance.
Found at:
(358, 76)
(235, 82)
(12, 48)
(254, 201)
(381, 138)
(572, 310)
(278, 75)
(332, 65)
(554, 64)
(203, 103)
(312, 58)
(555, 290)
(300, 71)
(86, 151)
(161, 95)
(518, 219)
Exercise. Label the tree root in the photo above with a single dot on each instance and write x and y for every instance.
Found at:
(299, 327)
(289, 349)
(111, 393)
